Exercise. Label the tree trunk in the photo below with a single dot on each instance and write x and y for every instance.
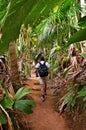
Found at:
(14, 67)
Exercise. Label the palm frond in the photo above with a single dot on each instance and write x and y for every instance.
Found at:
(23, 12)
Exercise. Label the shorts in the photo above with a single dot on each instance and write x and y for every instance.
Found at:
(42, 80)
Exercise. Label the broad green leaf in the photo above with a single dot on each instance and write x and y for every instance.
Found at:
(7, 102)
(77, 37)
(42, 8)
(16, 15)
(24, 105)
(23, 12)
(3, 119)
(82, 22)
(21, 93)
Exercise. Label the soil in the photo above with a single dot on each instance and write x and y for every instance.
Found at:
(44, 116)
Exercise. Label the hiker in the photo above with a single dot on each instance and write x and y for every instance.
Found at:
(42, 68)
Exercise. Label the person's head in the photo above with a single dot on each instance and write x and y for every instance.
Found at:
(42, 58)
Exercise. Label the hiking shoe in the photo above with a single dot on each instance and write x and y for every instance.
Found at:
(45, 94)
(43, 98)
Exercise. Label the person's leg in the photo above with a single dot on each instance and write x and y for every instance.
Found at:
(43, 87)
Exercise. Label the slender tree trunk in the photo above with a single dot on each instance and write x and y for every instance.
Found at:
(14, 67)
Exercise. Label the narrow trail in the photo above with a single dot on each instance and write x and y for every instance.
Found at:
(44, 116)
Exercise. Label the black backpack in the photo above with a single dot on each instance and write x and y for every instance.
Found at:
(43, 70)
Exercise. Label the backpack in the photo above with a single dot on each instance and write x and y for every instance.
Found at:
(43, 70)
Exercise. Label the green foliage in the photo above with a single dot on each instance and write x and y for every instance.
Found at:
(23, 12)
(70, 98)
(82, 92)
(7, 102)
(77, 37)
(82, 22)
(17, 102)
(2, 119)
(16, 16)
(75, 97)
(60, 24)
(54, 50)
(21, 93)
(80, 35)
(24, 105)
(3, 8)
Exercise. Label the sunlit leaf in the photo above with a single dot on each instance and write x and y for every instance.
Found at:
(77, 37)
(21, 93)
(23, 12)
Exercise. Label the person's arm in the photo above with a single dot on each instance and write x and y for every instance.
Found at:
(36, 69)
(48, 66)
(36, 72)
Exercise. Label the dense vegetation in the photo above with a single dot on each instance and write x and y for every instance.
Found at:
(56, 29)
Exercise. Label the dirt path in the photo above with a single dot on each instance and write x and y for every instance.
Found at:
(44, 116)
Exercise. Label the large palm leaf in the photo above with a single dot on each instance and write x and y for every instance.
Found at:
(22, 11)
(81, 34)
(59, 23)
(77, 37)
(3, 8)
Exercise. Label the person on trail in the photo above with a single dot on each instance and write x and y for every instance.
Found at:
(42, 68)
(37, 57)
